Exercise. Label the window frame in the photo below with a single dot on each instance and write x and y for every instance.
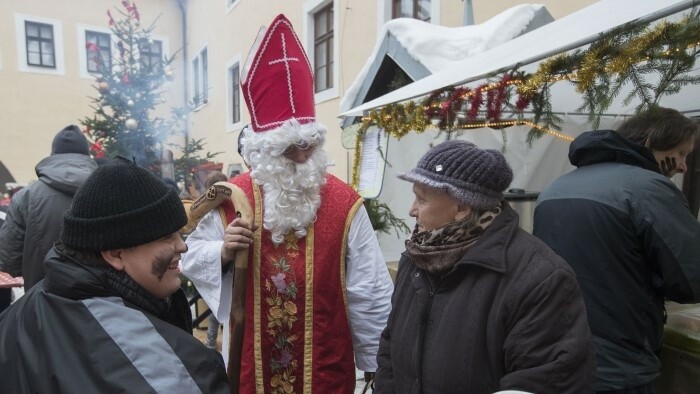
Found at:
(200, 78)
(21, 37)
(384, 12)
(40, 40)
(98, 34)
(233, 124)
(151, 55)
(324, 40)
(414, 12)
(81, 31)
(311, 7)
(195, 82)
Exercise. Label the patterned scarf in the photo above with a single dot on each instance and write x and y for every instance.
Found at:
(437, 251)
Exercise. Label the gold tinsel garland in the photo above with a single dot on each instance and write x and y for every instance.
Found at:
(613, 57)
(505, 123)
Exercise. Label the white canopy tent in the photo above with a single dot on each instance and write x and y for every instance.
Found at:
(570, 32)
(536, 165)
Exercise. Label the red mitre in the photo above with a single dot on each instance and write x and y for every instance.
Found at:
(278, 85)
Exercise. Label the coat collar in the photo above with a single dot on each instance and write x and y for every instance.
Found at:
(490, 250)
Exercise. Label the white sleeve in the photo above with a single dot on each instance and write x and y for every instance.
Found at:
(202, 265)
(369, 290)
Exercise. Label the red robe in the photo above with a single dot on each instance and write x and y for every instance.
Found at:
(297, 337)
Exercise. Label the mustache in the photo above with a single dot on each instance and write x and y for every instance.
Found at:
(161, 263)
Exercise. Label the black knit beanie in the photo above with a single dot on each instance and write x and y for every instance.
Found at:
(471, 175)
(70, 140)
(121, 205)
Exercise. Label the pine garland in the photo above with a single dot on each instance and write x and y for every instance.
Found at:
(626, 56)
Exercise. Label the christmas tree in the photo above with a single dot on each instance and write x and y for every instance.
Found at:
(130, 84)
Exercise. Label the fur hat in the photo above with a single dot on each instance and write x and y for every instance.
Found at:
(121, 205)
(70, 140)
(469, 174)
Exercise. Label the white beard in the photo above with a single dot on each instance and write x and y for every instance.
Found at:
(292, 192)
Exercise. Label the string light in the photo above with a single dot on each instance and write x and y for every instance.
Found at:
(505, 123)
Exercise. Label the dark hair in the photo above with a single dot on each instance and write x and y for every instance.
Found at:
(662, 128)
(214, 177)
(89, 257)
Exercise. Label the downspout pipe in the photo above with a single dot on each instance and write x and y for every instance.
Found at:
(185, 69)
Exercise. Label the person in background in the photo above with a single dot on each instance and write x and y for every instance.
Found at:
(213, 324)
(6, 290)
(33, 221)
(480, 305)
(318, 289)
(629, 235)
(110, 316)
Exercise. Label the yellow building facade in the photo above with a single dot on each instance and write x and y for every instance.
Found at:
(40, 96)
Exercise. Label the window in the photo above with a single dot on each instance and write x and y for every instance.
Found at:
(234, 94)
(234, 77)
(323, 48)
(151, 55)
(98, 47)
(200, 71)
(205, 75)
(40, 44)
(416, 9)
(195, 72)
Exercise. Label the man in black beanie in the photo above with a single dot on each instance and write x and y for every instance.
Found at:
(479, 304)
(110, 315)
(34, 217)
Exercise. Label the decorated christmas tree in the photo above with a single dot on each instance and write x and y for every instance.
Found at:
(130, 84)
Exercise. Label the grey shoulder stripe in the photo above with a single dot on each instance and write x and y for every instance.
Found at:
(143, 346)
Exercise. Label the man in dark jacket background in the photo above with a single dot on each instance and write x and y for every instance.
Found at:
(479, 305)
(629, 235)
(110, 317)
(33, 221)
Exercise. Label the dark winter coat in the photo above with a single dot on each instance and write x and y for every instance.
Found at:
(74, 333)
(35, 216)
(508, 316)
(629, 235)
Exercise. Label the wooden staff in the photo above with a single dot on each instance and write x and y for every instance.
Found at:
(223, 193)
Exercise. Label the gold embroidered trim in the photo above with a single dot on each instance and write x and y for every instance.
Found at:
(257, 328)
(308, 310)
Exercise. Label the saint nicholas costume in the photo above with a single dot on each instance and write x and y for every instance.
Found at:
(315, 304)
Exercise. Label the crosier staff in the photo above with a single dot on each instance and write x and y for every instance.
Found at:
(228, 198)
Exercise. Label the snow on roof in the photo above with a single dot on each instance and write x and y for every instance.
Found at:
(437, 47)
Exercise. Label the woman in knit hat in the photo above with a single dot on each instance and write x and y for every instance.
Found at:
(110, 315)
(479, 305)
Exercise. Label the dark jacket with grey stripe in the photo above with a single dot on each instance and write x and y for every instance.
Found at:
(629, 235)
(508, 316)
(73, 334)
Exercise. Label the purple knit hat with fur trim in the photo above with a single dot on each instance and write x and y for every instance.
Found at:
(471, 175)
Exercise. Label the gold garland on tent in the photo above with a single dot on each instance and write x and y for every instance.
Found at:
(624, 56)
